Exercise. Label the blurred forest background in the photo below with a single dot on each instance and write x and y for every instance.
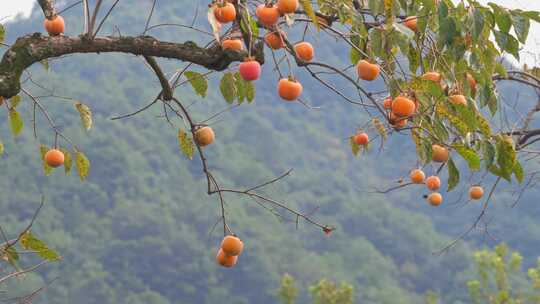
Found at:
(140, 229)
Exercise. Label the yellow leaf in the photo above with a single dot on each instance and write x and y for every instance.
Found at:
(86, 115)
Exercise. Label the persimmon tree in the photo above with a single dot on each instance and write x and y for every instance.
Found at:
(440, 63)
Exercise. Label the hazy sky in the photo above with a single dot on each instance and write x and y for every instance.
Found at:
(11, 8)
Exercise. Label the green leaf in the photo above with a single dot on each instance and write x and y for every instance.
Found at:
(241, 91)
(518, 172)
(453, 175)
(68, 161)
(488, 151)
(83, 165)
(522, 25)
(355, 148)
(227, 87)
(250, 91)
(2, 33)
(308, 9)
(249, 25)
(472, 158)
(502, 17)
(506, 157)
(15, 101)
(478, 24)
(507, 43)
(46, 168)
(16, 122)
(198, 82)
(186, 144)
(376, 7)
(30, 242)
(86, 115)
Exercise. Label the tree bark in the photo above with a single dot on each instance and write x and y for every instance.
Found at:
(30, 49)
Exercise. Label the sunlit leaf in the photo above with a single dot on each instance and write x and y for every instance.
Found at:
(68, 161)
(16, 122)
(30, 242)
(83, 165)
(186, 144)
(308, 9)
(15, 101)
(518, 172)
(46, 168)
(453, 175)
(355, 148)
(198, 82)
(472, 158)
(86, 115)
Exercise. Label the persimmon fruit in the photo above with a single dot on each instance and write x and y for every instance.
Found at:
(232, 245)
(367, 71)
(476, 192)
(433, 183)
(232, 44)
(275, 40)
(439, 153)
(403, 106)
(250, 70)
(289, 89)
(225, 12)
(204, 136)
(361, 139)
(267, 14)
(411, 23)
(55, 26)
(304, 51)
(225, 260)
(387, 103)
(432, 76)
(472, 82)
(287, 6)
(417, 176)
(458, 100)
(435, 199)
(54, 158)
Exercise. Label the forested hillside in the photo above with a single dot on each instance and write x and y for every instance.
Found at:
(141, 228)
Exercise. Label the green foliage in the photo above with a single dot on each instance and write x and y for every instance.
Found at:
(288, 291)
(30, 242)
(186, 144)
(326, 292)
(86, 115)
(198, 82)
(83, 165)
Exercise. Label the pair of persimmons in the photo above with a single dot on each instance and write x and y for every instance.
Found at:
(231, 248)
(433, 183)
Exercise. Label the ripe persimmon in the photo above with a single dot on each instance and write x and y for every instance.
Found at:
(410, 22)
(204, 136)
(232, 44)
(435, 199)
(250, 70)
(225, 12)
(432, 76)
(472, 82)
(476, 192)
(403, 106)
(304, 51)
(267, 14)
(458, 100)
(439, 153)
(54, 158)
(289, 89)
(417, 176)
(367, 71)
(387, 103)
(287, 6)
(433, 183)
(275, 40)
(231, 245)
(361, 139)
(226, 260)
(54, 26)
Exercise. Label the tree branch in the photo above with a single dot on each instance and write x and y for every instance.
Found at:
(48, 8)
(30, 49)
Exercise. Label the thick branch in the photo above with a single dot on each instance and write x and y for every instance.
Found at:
(30, 49)
(48, 8)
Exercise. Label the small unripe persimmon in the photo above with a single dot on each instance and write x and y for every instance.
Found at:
(476, 192)
(439, 154)
(417, 176)
(361, 139)
(433, 183)
(250, 70)
(435, 199)
(224, 260)
(54, 158)
(204, 136)
(54, 26)
(231, 245)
